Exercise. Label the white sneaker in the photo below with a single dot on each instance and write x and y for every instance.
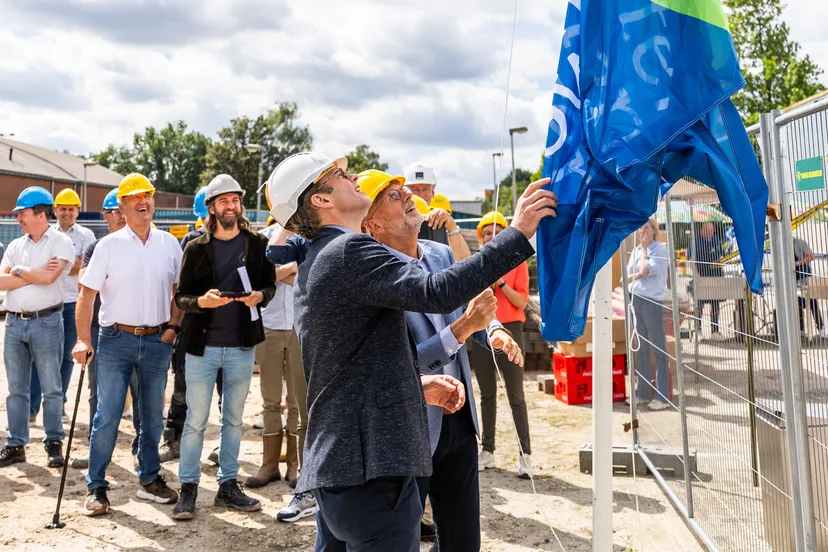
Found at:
(303, 505)
(822, 333)
(485, 460)
(658, 404)
(525, 467)
(258, 423)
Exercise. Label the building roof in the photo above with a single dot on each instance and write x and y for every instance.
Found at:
(470, 207)
(33, 161)
(684, 189)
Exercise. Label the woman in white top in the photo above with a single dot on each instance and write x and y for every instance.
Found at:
(647, 270)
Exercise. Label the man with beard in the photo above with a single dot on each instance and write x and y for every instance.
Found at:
(222, 326)
(135, 270)
(367, 436)
(453, 486)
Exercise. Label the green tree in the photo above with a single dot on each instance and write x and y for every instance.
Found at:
(277, 130)
(776, 74)
(362, 158)
(173, 157)
(504, 202)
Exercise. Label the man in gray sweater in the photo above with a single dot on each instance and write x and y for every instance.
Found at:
(367, 436)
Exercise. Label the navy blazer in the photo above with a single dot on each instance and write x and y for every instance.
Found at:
(365, 401)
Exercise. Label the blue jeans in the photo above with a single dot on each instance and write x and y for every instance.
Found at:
(119, 354)
(39, 340)
(70, 337)
(650, 326)
(237, 367)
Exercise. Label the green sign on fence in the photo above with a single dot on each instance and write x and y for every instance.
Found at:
(810, 174)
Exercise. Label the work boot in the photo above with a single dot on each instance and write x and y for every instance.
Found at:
(214, 456)
(272, 447)
(54, 451)
(292, 460)
(97, 504)
(80, 463)
(169, 450)
(157, 491)
(185, 509)
(231, 495)
(12, 455)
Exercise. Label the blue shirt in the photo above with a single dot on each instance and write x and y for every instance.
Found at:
(707, 254)
(653, 285)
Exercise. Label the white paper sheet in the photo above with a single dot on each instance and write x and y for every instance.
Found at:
(254, 312)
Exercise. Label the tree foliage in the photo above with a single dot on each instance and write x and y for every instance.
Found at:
(172, 158)
(504, 203)
(277, 130)
(362, 158)
(776, 74)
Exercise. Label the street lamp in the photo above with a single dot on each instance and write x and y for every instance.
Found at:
(85, 165)
(512, 131)
(494, 171)
(254, 148)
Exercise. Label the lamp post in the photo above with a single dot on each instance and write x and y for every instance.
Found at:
(85, 165)
(512, 131)
(254, 148)
(494, 171)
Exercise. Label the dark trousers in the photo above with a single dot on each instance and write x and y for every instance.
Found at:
(454, 485)
(381, 515)
(803, 304)
(177, 413)
(484, 368)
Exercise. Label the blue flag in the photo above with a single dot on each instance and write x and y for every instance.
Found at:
(642, 100)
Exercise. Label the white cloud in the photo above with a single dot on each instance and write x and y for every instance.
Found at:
(417, 80)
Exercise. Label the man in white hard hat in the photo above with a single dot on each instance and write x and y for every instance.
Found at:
(367, 436)
(225, 279)
(422, 181)
(135, 271)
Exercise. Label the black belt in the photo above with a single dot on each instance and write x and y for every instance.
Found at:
(48, 311)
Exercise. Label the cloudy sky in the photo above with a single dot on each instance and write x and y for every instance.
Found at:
(417, 80)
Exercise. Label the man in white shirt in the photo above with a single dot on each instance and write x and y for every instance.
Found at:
(135, 270)
(67, 209)
(32, 273)
(279, 359)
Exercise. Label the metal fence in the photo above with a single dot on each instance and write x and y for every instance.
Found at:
(747, 392)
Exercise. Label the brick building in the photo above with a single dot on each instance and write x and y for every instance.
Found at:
(23, 165)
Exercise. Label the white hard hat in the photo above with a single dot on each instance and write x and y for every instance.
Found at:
(420, 174)
(222, 184)
(292, 177)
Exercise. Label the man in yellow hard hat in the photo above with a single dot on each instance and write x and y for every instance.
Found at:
(135, 271)
(67, 208)
(422, 181)
(440, 338)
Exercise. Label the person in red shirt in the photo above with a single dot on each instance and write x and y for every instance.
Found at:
(512, 292)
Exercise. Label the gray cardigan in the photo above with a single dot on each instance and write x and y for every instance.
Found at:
(367, 415)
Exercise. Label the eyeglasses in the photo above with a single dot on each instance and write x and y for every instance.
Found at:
(337, 173)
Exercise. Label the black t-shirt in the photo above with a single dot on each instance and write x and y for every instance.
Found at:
(87, 256)
(226, 322)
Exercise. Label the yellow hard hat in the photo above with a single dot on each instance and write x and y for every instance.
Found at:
(199, 223)
(67, 196)
(372, 182)
(492, 217)
(135, 183)
(154, 227)
(439, 201)
(422, 206)
(270, 220)
(267, 197)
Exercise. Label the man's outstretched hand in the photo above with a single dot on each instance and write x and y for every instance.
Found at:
(444, 391)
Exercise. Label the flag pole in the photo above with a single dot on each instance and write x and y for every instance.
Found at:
(602, 411)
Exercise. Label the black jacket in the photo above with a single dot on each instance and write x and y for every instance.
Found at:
(197, 277)
(366, 410)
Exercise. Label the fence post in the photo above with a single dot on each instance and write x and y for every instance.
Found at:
(685, 438)
(781, 237)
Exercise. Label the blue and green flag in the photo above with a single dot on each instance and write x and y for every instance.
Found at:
(641, 101)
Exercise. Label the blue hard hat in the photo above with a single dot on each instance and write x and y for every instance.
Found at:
(31, 196)
(199, 205)
(111, 202)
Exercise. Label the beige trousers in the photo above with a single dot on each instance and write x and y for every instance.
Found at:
(278, 357)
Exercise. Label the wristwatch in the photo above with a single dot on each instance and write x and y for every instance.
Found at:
(17, 271)
(453, 232)
(174, 327)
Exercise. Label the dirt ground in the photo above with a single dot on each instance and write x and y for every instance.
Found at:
(511, 515)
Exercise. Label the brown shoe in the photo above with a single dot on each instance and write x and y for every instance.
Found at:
(157, 491)
(97, 504)
(272, 447)
(292, 459)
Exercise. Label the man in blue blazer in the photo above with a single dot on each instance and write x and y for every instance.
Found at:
(440, 338)
(367, 436)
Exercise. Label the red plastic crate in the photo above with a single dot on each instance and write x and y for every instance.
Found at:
(581, 393)
(569, 368)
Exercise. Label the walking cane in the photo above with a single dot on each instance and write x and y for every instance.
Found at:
(56, 523)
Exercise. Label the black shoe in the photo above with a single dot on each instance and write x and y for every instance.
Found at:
(428, 532)
(97, 504)
(12, 455)
(214, 456)
(54, 450)
(185, 509)
(231, 495)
